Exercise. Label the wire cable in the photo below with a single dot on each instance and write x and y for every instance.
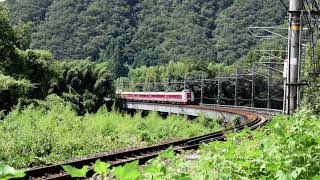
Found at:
(315, 3)
(284, 5)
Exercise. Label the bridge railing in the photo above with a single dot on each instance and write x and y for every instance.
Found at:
(269, 111)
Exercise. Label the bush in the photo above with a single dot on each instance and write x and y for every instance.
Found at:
(287, 148)
(51, 131)
(86, 84)
(11, 90)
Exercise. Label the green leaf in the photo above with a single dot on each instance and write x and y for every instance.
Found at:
(152, 169)
(169, 153)
(75, 172)
(284, 176)
(316, 178)
(129, 171)
(230, 154)
(278, 130)
(182, 176)
(7, 172)
(297, 172)
(164, 170)
(101, 168)
(203, 146)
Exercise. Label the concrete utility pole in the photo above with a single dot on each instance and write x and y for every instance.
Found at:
(294, 52)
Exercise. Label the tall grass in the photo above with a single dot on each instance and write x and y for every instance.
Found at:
(50, 134)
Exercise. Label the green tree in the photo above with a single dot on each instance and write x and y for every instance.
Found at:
(86, 84)
(232, 40)
(145, 33)
(8, 44)
(11, 90)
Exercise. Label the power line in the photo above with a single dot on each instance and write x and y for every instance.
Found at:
(315, 4)
(284, 5)
(309, 24)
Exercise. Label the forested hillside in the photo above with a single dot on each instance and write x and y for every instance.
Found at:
(27, 76)
(145, 32)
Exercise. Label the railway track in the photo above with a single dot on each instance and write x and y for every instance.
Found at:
(253, 121)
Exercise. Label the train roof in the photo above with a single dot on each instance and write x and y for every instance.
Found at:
(128, 92)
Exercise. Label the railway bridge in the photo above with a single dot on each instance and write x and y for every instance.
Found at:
(208, 110)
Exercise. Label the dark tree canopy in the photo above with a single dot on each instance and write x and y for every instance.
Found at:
(145, 32)
(31, 75)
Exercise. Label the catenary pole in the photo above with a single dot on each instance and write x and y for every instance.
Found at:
(294, 43)
(219, 88)
(252, 84)
(269, 85)
(202, 84)
(235, 88)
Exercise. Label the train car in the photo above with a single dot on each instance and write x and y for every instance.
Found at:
(184, 97)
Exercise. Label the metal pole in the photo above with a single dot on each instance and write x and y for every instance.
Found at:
(167, 85)
(269, 85)
(252, 85)
(285, 88)
(219, 90)
(295, 8)
(235, 88)
(202, 83)
(117, 84)
(300, 69)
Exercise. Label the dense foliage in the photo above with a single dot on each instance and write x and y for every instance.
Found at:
(85, 84)
(287, 148)
(53, 132)
(34, 74)
(290, 150)
(11, 90)
(144, 32)
(8, 42)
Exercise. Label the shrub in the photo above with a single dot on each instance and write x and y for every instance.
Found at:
(51, 131)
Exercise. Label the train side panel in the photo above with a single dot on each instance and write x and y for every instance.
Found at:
(175, 97)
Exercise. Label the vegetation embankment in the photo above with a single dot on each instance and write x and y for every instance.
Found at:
(287, 148)
(53, 132)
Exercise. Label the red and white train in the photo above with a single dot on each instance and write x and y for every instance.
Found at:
(184, 97)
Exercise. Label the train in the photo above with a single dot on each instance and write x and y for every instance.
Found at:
(183, 97)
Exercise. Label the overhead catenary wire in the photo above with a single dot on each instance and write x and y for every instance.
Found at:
(150, 85)
(307, 18)
(284, 5)
(315, 4)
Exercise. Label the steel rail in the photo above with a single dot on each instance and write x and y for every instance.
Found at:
(253, 121)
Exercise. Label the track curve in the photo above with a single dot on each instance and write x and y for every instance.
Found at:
(253, 120)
